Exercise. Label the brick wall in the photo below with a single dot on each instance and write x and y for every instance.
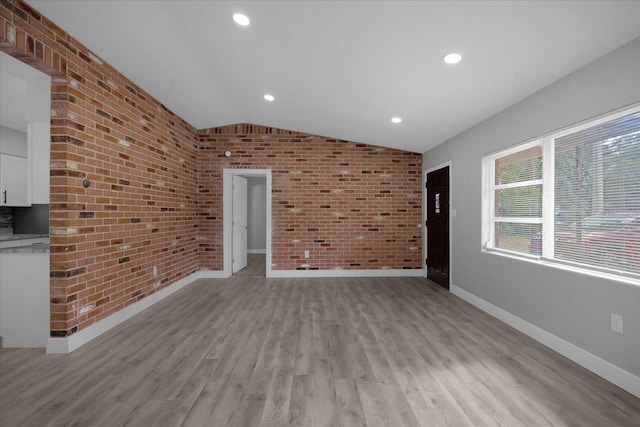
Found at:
(353, 206)
(155, 193)
(140, 159)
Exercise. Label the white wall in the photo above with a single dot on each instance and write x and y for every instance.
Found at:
(571, 306)
(257, 214)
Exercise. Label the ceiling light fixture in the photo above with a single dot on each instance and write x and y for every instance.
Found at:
(241, 19)
(452, 58)
(396, 119)
(269, 97)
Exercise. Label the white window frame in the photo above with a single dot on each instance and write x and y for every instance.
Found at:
(547, 142)
(489, 195)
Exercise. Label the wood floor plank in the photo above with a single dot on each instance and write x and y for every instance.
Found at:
(349, 411)
(300, 404)
(251, 351)
(175, 410)
(323, 398)
(202, 409)
(278, 401)
(376, 409)
(252, 407)
(304, 354)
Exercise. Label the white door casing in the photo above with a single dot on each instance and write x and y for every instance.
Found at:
(227, 213)
(239, 223)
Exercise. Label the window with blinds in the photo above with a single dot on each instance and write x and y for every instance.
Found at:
(517, 198)
(572, 197)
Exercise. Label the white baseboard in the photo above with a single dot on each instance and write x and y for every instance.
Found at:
(345, 273)
(256, 251)
(212, 274)
(80, 338)
(607, 370)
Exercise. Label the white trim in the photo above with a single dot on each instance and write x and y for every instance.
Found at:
(518, 219)
(607, 370)
(82, 337)
(212, 274)
(425, 172)
(227, 209)
(346, 273)
(256, 251)
(518, 184)
(548, 197)
(423, 261)
(29, 163)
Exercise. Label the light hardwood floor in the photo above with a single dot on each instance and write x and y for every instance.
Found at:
(256, 264)
(250, 351)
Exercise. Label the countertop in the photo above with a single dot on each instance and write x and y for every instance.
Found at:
(24, 243)
(36, 248)
(11, 237)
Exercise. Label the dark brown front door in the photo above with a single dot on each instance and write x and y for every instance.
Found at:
(438, 226)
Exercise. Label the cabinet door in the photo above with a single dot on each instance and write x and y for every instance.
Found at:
(14, 181)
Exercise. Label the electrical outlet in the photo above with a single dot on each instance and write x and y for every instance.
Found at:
(616, 323)
(306, 254)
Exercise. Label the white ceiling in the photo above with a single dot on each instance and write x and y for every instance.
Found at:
(343, 69)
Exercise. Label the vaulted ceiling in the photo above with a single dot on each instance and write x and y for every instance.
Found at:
(344, 68)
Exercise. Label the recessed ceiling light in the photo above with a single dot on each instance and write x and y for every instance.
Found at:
(269, 97)
(396, 119)
(241, 19)
(452, 58)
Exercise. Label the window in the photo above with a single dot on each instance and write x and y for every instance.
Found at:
(572, 197)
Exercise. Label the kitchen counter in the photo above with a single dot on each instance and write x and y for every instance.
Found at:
(24, 243)
(35, 248)
(11, 237)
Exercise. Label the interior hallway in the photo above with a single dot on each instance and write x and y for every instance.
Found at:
(256, 265)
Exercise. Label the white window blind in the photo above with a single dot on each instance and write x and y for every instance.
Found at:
(597, 195)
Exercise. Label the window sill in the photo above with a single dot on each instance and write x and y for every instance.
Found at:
(600, 274)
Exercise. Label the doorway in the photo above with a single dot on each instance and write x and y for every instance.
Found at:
(25, 135)
(238, 224)
(437, 225)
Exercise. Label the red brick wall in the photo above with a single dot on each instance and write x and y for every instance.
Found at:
(140, 210)
(155, 196)
(353, 206)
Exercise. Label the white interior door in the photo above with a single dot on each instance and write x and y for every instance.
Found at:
(239, 223)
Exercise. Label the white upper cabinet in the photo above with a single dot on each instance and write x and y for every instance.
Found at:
(15, 182)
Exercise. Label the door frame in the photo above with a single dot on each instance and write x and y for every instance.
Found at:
(240, 209)
(452, 215)
(227, 215)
